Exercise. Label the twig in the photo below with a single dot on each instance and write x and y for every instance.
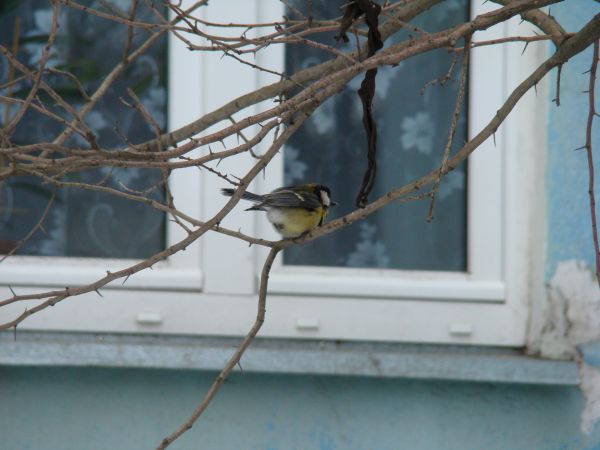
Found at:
(86, 132)
(558, 74)
(117, 18)
(10, 127)
(442, 80)
(526, 39)
(455, 116)
(590, 156)
(11, 68)
(130, 29)
(138, 105)
(116, 72)
(543, 21)
(39, 225)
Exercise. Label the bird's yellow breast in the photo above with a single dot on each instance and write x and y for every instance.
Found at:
(293, 222)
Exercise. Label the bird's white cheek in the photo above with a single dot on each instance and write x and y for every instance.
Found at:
(325, 198)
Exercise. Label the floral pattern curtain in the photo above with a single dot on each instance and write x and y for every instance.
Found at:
(413, 119)
(83, 222)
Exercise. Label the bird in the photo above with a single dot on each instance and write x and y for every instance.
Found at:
(293, 210)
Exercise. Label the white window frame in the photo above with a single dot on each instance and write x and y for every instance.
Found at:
(211, 288)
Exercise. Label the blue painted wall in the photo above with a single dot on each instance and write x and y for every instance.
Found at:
(91, 409)
(569, 219)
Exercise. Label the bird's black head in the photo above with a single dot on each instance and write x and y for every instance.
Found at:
(325, 195)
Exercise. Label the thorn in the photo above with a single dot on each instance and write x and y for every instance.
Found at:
(580, 148)
(494, 136)
(126, 278)
(11, 290)
(98, 292)
(535, 88)
(240, 366)
(524, 48)
(15, 331)
(43, 230)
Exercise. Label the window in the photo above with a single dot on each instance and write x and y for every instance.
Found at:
(84, 223)
(84, 226)
(412, 125)
(472, 290)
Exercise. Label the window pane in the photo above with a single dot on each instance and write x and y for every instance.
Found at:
(412, 131)
(83, 222)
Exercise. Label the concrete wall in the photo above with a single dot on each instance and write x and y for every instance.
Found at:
(91, 409)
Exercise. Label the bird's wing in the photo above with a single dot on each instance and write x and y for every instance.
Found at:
(285, 197)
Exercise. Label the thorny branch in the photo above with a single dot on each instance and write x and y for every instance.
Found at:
(237, 356)
(460, 97)
(590, 156)
(52, 163)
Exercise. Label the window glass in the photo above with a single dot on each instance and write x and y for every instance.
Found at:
(413, 124)
(83, 222)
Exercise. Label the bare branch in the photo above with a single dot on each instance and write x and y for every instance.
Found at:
(54, 297)
(590, 155)
(235, 359)
(39, 225)
(543, 21)
(454, 122)
(10, 127)
(571, 47)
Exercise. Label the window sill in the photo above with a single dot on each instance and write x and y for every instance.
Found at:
(434, 362)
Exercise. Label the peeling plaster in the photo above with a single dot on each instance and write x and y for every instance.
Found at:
(573, 312)
(572, 318)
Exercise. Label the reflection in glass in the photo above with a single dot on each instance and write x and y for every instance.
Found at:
(83, 222)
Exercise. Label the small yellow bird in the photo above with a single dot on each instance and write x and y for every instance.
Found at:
(293, 210)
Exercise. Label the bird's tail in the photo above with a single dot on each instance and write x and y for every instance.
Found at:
(246, 195)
